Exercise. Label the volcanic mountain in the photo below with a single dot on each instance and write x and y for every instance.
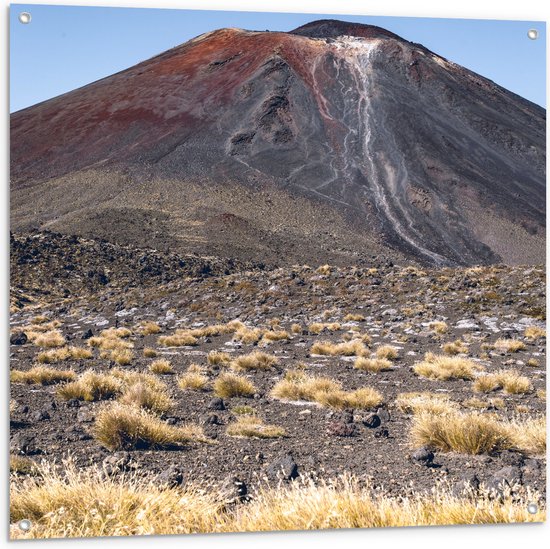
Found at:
(335, 142)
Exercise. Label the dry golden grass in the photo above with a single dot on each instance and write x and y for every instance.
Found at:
(272, 336)
(317, 327)
(350, 348)
(354, 317)
(533, 362)
(445, 367)
(439, 327)
(110, 343)
(254, 361)
(22, 465)
(541, 393)
(182, 338)
(193, 379)
(123, 427)
(218, 358)
(372, 364)
(41, 375)
(534, 333)
(252, 426)
(116, 333)
(248, 336)
(144, 396)
(133, 505)
(40, 319)
(123, 357)
(510, 381)
(476, 433)
(297, 385)
(161, 366)
(296, 328)
(387, 351)
(508, 345)
(324, 270)
(53, 356)
(149, 327)
(417, 403)
(456, 347)
(148, 352)
(229, 385)
(91, 386)
(53, 338)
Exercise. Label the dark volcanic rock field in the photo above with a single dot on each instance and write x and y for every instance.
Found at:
(396, 306)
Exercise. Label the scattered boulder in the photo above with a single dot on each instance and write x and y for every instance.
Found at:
(216, 404)
(284, 467)
(382, 432)
(233, 490)
(341, 429)
(41, 415)
(171, 477)
(467, 484)
(24, 444)
(116, 463)
(212, 419)
(423, 455)
(88, 334)
(372, 421)
(19, 338)
(506, 478)
(383, 414)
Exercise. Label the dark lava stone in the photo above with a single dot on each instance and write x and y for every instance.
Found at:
(506, 477)
(372, 421)
(341, 429)
(87, 334)
(19, 338)
(234, 490)
(41, 415)
(423, 455)
(381, 433)
(284, 467)
(172, 477)
(216, 404)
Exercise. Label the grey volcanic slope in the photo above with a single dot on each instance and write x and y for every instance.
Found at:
(335, 142)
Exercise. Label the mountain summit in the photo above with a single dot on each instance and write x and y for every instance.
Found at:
(335, 142)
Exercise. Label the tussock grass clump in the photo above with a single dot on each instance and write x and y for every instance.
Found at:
(109, 341)
(317, 327)
(193, 379)
(40, 319)
(475, 433)
(161, 366)
(271, 336)
(41, 375)
(456, 347)
(243, 410)
(297, 385)
(508, 345)
(354, 317)
(252, 426)
(144, 396)
(133, 505)
(116, 333)
(123, 357)
(372, 364)
(229, 385)
(324, 270)
(254, 361)
(466, 433)
(91, 386)
(417, 403)
(53, 356)
(148, 328)
(445, 367)
(534, 333)
(350, 348)
(148, 352)
(120, 427)
(218, 358)
(296, 328)
(22, 465)
(510, 381)
(53, 338)
(248, 335)
(388, 352)
(181, 338)
(439, 327)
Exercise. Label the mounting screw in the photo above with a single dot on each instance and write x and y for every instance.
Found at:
(532, 508)
(533, 34)
(25, 525)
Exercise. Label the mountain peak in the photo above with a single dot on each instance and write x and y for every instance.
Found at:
(332, 28)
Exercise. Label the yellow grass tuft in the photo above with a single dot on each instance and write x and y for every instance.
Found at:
(53, 356)
(296, 328)
(439, 327)
(388, 352)
(271, 336)
(218, 358)
(252, 426)
(254, 361)
(53, 338)
(120, 427)
(248, 335)
(445, 367)
(229, 385)
(161, 366)
(41, 375)
(509, 345)
(181, 338)
(91, 386)
(296, 385)
(144, 396)
(148, 352)
(534, 333)
(193, 379)
(372, 364)
(510, 381)
(455, 348)
(149, 327)
(353, 317)
(417, 403)
(350, 348)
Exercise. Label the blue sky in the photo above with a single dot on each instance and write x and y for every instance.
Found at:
(65, 47)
